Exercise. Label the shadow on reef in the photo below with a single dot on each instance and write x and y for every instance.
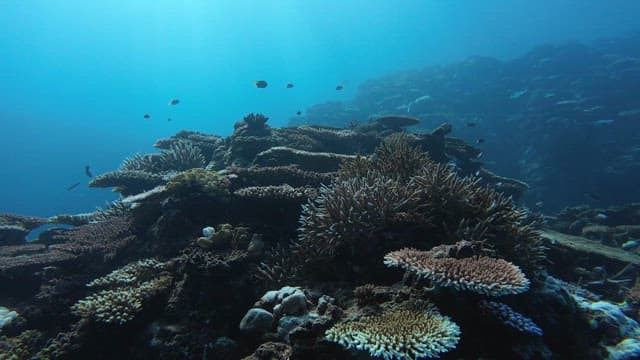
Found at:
(300, 243)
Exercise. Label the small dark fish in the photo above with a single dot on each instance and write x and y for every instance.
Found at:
(471, 124)
(147, 116)
(174, 102)
(592, 197)
(169, 119)
(289, 85)
(480, 141)
(87, 171)
(339, 87)
(260, 84)
(298, 112)
(73, 186)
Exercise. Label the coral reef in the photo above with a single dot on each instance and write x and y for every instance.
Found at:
(311, 161)
(560, 110)
(303, 219)
(510, 317)
(127, 182)
(129, 287)
(403, 188)
(181, 156)
(410, 331)
(481, 274)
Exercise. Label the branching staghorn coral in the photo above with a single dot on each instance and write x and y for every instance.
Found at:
(370, 196)
(129, 287)
(139, 162)
(412, 330)
(395, 157)
(351, 210)
(181, 156)
(116, 209)
(480, 274)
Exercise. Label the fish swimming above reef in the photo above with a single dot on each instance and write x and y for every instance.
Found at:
(168, 119)
(147, 116)
(260, 84)
(601, 217)
(173, 102)
(298, 112)
(630, 245)
(480, 141)
(603, 122)
(470, 124)
(339, 87)
(87, 171)
(73, 186)
(591, 196)
(289, 86)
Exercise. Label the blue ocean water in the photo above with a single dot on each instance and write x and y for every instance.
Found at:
(76, 77)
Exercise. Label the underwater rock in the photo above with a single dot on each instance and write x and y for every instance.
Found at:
(271, 351)
(256, 321)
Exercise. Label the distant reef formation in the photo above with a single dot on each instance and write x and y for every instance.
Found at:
(307, 242)
(567, 115)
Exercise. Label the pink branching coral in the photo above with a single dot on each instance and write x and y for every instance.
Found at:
(480, 274)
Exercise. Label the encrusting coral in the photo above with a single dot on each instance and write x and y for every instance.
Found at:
(412, 330)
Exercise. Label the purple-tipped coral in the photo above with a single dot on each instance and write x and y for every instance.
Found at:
(510, 317)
